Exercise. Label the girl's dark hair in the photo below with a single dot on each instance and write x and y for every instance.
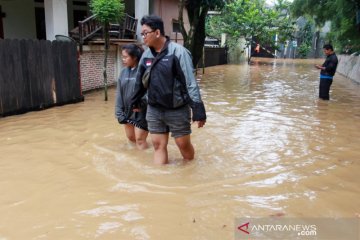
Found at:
(133, 50)
(154, 22)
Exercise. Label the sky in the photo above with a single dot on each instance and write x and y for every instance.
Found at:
(271, 2)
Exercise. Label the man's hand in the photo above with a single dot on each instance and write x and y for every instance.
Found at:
(319, 67)
(122, 120)
(200, 123)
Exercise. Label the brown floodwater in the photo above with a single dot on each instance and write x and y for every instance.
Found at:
(269, 148)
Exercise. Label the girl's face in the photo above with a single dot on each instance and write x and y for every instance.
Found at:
(127, 60)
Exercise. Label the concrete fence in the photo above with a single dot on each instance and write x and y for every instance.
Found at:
(349, 66)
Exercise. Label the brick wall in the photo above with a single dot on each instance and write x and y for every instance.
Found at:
(91, 67)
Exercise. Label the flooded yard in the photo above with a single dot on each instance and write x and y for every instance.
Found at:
(269, 148)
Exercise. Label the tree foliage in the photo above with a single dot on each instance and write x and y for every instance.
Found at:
(197, 10)
(107, 11)
(252, 19)
(305, 38)
(341, 13)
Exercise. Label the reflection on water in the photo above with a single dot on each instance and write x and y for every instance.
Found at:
(269, 148)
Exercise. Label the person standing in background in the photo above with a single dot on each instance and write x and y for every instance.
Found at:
(328, 69)
(257, 49)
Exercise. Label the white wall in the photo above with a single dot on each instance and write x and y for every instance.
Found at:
(20, 19)
(141, 9)
(56, 18)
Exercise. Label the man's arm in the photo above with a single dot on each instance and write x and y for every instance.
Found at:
(197, 106)
(119, 105)
(319, 67)
(139, 89)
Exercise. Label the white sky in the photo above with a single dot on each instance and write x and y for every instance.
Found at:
(271, 2)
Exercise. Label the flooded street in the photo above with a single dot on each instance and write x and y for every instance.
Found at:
(269, 148)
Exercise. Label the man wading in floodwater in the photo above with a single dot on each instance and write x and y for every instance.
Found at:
(166, 73)
(327, 72)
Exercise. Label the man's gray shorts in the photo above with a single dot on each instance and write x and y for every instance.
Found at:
(177, 121)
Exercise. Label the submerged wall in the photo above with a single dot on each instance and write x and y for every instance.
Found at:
(239, 54)
(349, 66)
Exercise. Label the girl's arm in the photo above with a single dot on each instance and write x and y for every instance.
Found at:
(119, 104)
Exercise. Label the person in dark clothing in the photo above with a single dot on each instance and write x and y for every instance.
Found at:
(327, 72)
(135, 123)
(167, 74)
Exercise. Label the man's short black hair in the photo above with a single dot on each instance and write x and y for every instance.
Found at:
(328, 46)
(154, 22)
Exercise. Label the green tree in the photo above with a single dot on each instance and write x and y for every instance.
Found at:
(252, 19)
(305, 37)
(341, 13)
(107, 11)
(197, 11)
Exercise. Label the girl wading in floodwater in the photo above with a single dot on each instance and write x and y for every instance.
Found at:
(135, 125)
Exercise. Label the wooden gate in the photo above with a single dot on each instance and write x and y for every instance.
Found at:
(37, 74)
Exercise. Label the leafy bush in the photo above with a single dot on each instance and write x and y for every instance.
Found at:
(304, 50)
(107, 10)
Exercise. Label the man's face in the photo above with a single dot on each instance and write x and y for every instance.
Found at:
(148, 35)
(327, 52)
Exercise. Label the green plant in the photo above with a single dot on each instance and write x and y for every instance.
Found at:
(305, 37)
(344, 33)
(304, 49)
(107, 11)
(249, 19)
